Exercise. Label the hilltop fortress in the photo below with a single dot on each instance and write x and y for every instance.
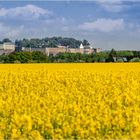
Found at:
(63, 49)
(7, 48)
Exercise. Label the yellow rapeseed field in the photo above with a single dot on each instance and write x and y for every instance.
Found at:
(70, 101)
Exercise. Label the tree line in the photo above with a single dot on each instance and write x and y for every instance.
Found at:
(50, 42)
(39, 57)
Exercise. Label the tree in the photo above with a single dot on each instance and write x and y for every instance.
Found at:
(125, 53)
(136, 59)
(39, 57)
(136, 53)
(111, 55)
(24, 57)
(113, 52)
(5, 40)
(50, 42)
(85, 42)
(101, 56)
(12, 58)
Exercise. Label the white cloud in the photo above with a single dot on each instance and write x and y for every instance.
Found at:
(103, 25)
(10, 32)
(116, 1)
(112, 5)
(115, 5)
(28, 11)
(111, 1)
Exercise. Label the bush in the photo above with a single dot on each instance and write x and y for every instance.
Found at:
(135, 60)
(119, 60)
(17, 62)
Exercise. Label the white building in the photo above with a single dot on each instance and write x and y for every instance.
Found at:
(7, 48)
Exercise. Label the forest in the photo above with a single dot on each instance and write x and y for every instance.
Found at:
(102, 57)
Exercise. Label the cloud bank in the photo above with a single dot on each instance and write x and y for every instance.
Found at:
(26, 12)
(103, 25)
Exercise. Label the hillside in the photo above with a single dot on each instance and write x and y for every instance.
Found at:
(50, 42)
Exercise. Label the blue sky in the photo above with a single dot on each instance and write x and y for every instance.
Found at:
(104, 23)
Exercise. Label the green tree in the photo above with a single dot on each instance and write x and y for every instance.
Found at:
(39, 57)
(111, 55)
(135, 60)
(85, 42)
(12, 58)
(49, 42)
(24, 57)
(5, 40)
(124, 53)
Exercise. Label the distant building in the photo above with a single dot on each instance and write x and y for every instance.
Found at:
(63, 49)
(7, 48)
(43, 50)
(81, 46)
(97, 50)
(55, 51)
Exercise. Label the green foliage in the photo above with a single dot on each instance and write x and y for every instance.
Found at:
(50, 42)
(135, 60)
(11, 58)
(5, 40)
(101, 56)
(39, 57)
(119, 60)
(136, 53)
(124, 53)
(24, 57)
(113, 53)
(111, 56)
(78, 57)
(85, 42)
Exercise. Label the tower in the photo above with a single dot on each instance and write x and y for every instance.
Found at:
(81, 46)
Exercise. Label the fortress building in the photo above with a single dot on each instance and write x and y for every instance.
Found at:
(63, 49)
